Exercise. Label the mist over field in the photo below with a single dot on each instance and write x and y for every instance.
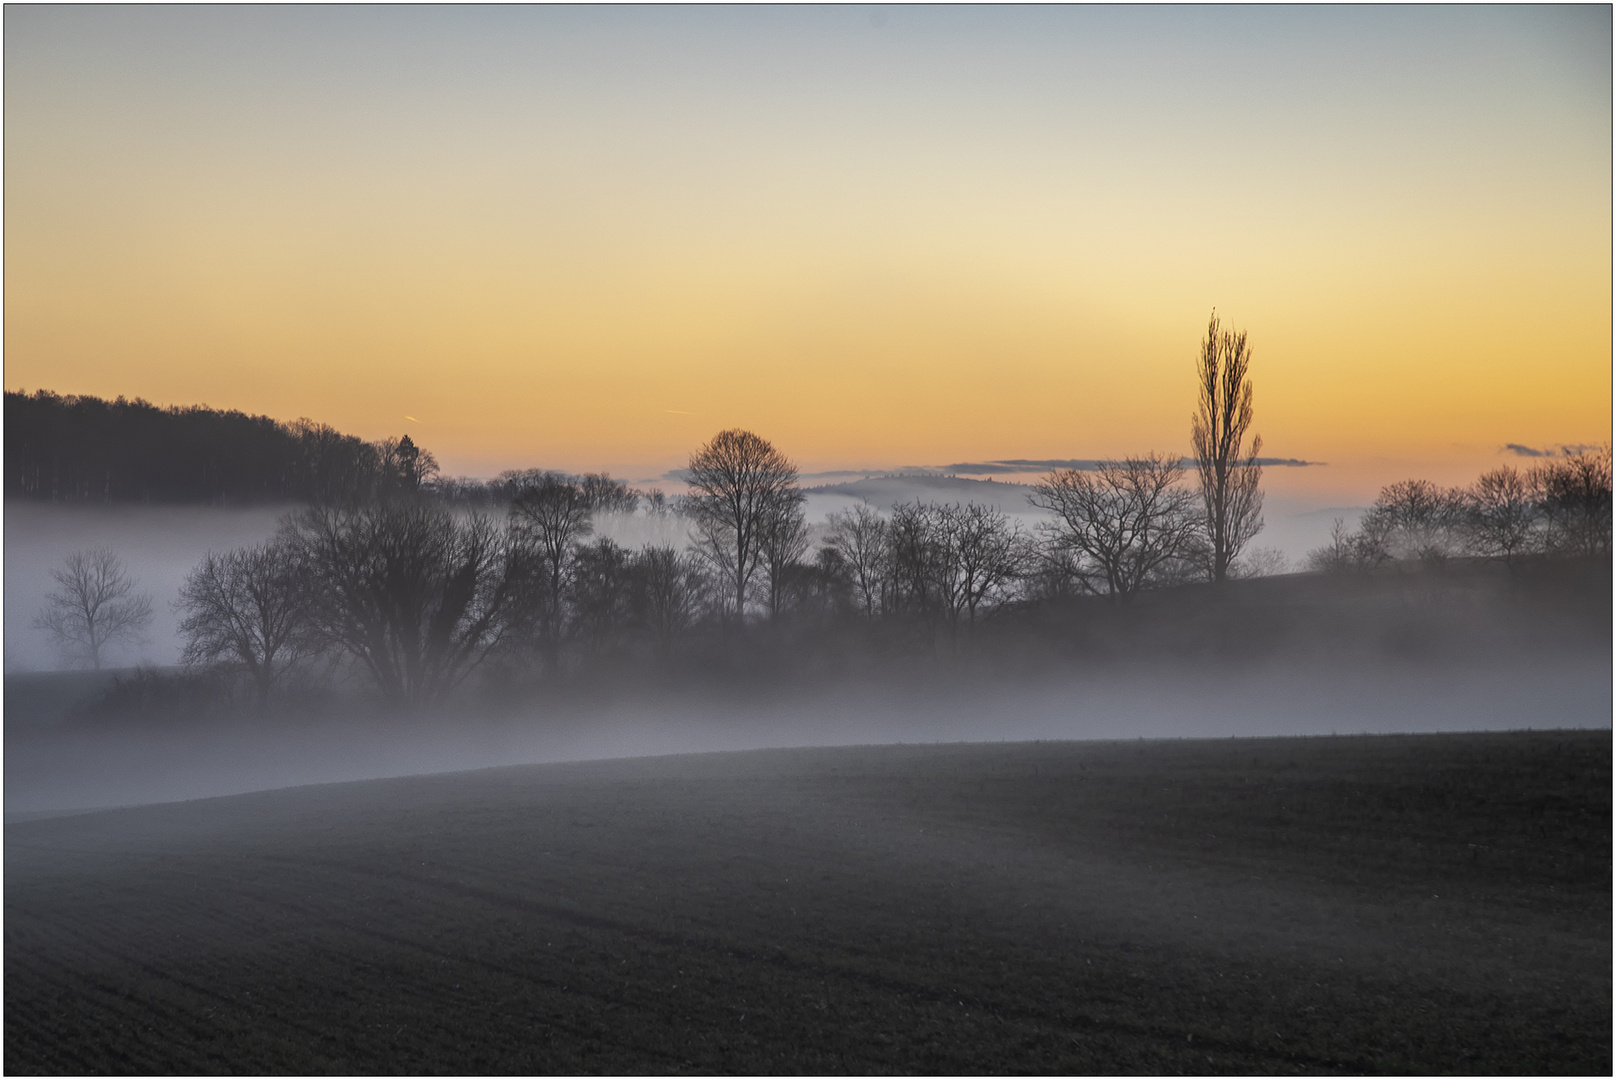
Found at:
(1307, 655)
(807, 540)
(114, 767)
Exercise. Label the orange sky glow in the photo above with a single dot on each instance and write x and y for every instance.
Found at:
(591, 238)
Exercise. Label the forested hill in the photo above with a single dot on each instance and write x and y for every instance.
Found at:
(75, 448)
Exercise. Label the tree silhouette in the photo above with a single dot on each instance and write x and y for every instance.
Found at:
(1501, 514)
(416, 596)
(1129, 520)
(248, 607)
(668, 593)
(1227, 467)
(782, 541)
(860, 535)
(85, 449)
(738, 483)
(93, 605)
(552, 514)
(1416, 519)
(1576, 502)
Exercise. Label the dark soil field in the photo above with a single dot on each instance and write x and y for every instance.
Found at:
(1402, 904)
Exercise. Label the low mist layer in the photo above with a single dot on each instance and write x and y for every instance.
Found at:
(72, 765)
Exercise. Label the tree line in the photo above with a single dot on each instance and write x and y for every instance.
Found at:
(79, 448)
(419, 585)
(1560, 507)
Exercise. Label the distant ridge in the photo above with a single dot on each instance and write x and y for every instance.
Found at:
(883, 491)
(80, 448)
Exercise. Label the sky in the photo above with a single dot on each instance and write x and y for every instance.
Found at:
(590, 238)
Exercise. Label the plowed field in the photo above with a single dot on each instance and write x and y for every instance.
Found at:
(1369, 904)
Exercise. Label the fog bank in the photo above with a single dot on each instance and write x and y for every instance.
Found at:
(66, 768)
(158, 545)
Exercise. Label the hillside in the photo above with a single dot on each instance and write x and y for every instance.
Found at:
(84, 449)
(1410, 904)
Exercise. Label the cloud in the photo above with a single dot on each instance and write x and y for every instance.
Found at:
(1026, 465)
(1563, 450)
(986, 468)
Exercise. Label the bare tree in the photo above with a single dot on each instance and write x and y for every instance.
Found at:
(248, 607)
(607, 496)
(417, 597)
(1575, 496)
(1337, 555)
(1056, 572)
(991, 554)
(1260, 562)
(824, 587)
(914, 539)
(552, 515)
(1227, 466)
(782, 542)
(1348, 549)
(1417, 519)
(669, 593)
(860, 535)
(737, 481)
(600, 594)
(1129, 519)
(1501, 514)
(93, 606)
(953, 564)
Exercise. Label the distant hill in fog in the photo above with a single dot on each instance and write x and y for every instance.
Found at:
(883, 491)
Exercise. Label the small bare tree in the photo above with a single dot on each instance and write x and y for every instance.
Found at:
(952, 564)
(600, 595)
(669, 593)
(860, 536)
(1128, 519)
(552, 515)
(1260, 562)
(1349, 550)
(1501, 515)
(93, 606)
(1230, 497)
(991, 554)
(1575, 496)
(737, 481)
(1416, 519)
(608, 496)
(249, 608)
(915, 543)
(782, 542)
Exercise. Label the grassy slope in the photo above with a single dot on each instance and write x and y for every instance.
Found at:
(1403, 904)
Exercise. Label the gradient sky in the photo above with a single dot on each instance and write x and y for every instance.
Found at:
(591, 237)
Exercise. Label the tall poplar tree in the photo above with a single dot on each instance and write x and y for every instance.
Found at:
(1227, 465)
